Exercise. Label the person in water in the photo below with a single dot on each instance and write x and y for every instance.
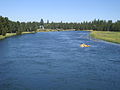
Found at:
(84, 45)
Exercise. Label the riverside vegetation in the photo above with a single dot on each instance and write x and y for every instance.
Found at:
(107, 36)
(11, 28)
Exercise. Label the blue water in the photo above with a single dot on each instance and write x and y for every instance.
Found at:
(54, 61)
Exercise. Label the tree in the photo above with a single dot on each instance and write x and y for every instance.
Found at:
(42, 22)
(47, 21)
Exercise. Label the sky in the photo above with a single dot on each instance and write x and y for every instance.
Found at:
(60, 10)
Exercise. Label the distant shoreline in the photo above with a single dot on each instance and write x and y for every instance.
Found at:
(53, 30)
(39, 30)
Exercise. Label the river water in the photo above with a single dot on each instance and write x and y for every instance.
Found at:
(54, 61)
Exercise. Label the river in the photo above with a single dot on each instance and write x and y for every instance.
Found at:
(55, 61)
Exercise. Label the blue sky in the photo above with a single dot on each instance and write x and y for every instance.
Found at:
(60, 10)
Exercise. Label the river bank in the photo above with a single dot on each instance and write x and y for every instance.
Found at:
(39, 30)
(13, 34)
(53, 30)
(107, 36)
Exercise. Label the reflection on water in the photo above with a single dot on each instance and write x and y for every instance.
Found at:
(54, 61)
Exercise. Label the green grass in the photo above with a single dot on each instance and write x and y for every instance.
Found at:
(107, 36)
(28, 32)
(2, 37)
(7, 35)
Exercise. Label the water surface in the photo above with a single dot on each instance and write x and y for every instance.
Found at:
(54, 61)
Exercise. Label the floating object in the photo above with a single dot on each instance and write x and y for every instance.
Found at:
(84, 45)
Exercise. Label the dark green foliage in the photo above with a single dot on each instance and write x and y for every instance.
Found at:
(18, 32)
(42, 22)
(99, 25)
(3, 25)
(7, 26)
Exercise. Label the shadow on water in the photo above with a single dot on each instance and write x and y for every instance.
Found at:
(55, 61)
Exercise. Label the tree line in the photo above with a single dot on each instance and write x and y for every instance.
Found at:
(8, 26)
(98, 25)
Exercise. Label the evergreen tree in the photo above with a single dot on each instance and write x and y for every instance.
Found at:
(41, 22)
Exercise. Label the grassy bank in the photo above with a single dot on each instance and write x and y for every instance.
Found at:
(28, 32)
(7, 35)
(107, 36)
(13, 34)
(53, 30)
(39, 30)
(84, 30)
